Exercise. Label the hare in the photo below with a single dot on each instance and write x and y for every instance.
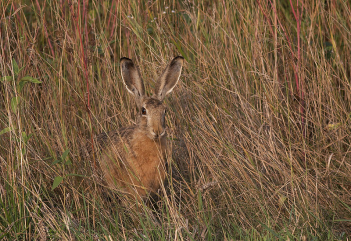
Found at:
(132, 159)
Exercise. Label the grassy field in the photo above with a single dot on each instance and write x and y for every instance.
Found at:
(259, 123)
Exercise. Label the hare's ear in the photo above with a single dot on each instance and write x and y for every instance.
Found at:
(169, 78)
(132, 80)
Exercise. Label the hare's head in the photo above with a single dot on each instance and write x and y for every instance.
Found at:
(152, 110)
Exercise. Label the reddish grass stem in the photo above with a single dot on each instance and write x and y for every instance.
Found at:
(85, 71)
(266, 17)
(296, 67)
(45, 30)
(114, 20)
(298, 81)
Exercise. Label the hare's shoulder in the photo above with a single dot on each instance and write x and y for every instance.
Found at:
(106, 139)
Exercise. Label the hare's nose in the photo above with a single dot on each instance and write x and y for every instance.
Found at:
(158, 131)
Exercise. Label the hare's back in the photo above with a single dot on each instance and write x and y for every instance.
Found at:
(114, 138)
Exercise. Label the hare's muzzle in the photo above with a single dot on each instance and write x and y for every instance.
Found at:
(158, 132)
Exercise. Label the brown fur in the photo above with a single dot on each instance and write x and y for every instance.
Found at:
(133, 162)
(133, 159)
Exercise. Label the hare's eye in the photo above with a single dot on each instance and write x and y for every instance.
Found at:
(165, 111)
(143, 111)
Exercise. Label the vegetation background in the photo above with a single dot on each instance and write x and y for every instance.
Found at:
(259, 122)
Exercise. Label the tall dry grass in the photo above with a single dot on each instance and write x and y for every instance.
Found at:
(259, 123)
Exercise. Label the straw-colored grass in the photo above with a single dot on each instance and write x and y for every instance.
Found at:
(259, 123)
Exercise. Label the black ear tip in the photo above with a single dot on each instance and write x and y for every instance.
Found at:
(126, 63)
(178, 60)
(124, 59)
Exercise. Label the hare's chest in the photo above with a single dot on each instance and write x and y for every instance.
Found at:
(149, 161)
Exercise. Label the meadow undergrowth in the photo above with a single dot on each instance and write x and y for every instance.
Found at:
(259, 123)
